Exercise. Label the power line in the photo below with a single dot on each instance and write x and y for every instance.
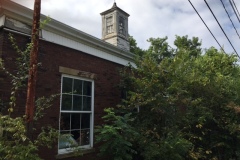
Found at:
(230, 18)
(206, 26)
(234, 10)
(236, 7)
(221, 27)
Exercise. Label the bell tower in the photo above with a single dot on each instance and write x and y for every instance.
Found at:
(115, 27)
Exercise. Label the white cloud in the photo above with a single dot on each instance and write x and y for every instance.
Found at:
(149, 18)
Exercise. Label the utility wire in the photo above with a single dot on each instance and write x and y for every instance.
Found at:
(230, 18)
(234, 10)
(221, 28)
(236, 7)
(206, 26)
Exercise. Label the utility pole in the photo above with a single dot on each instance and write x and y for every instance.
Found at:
(32, 77)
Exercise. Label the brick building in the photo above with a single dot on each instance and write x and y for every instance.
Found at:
(81, 67)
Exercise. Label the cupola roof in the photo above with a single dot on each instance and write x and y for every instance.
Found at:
(114, 7)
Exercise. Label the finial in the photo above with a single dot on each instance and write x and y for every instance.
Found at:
(114, 4)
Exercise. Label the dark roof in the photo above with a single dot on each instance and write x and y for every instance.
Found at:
(114, 7)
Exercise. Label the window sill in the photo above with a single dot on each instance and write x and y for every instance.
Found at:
(73, 154)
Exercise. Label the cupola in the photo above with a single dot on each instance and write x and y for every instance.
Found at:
(115, 27)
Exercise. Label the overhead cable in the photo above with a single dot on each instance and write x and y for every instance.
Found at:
(221, 27)
(230, 18)
(234, 10)
(236, 7)
(206, 26)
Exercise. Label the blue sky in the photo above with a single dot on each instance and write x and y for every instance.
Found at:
(150, 18)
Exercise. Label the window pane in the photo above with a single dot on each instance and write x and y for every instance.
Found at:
(75, 126)
(75, 121)
(66, 141)
(85, 121)
(65, 121)
(77, 103)
(64, 133)
(121, 22)
(87, 88)
(77, 87)
(109, 21)
(85, 137)
(76, 135)
(87, 103)
(66, 102)
(67, 85)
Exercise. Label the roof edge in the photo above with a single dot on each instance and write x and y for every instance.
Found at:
(24, 14)
(114, 7)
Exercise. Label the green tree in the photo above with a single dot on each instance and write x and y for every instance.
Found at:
(193, 45)
(159, 48)
(115, 136)
(188, 102)
(134, 48)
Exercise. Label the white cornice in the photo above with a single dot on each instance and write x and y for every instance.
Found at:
(24, 14)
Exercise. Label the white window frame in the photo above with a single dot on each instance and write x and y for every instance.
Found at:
(109, 24)
(121, 25)
(67, 150)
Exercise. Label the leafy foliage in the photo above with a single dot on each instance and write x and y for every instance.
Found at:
(188, 100)
(19, 78)
(134, 48)
(14, 142)
(115, 136)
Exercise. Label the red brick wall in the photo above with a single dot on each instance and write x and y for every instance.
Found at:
(52, 56)
(3, 79)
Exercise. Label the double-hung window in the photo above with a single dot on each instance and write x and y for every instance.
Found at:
(121, 26)
(76, 113)
(109, 24)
